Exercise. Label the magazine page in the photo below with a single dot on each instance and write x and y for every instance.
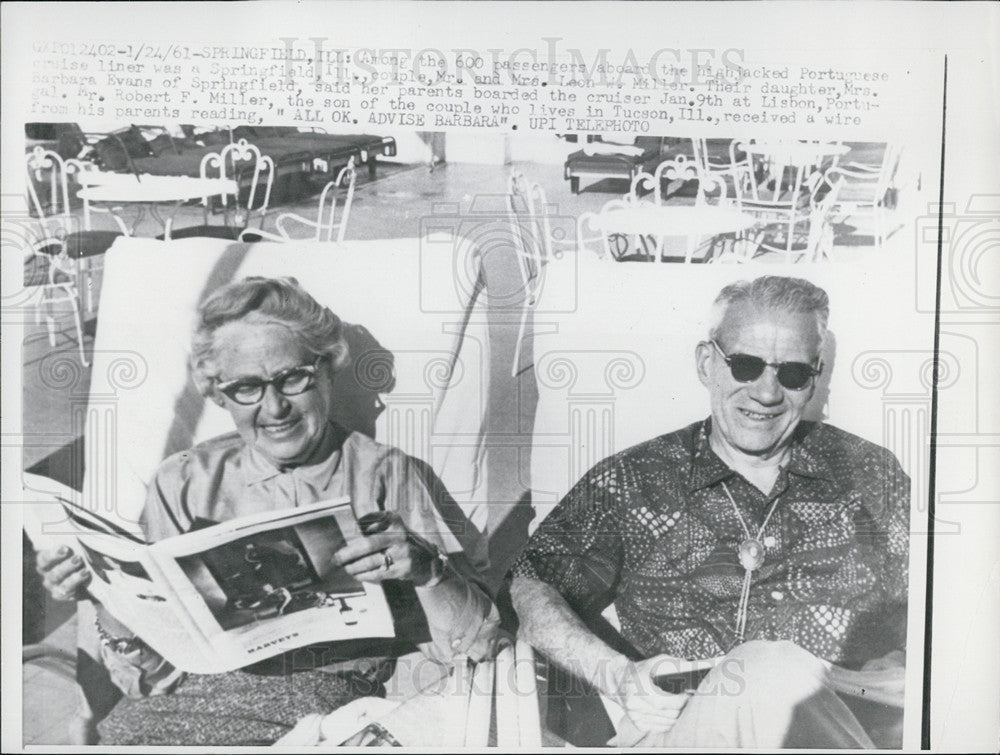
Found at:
(48, 524)
(579, 190)
(124, 578)
(264, 584)
(128, 583)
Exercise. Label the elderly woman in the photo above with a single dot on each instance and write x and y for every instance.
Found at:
(267, 352)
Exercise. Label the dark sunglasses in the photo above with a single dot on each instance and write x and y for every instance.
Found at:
(791, 375)
(291, 382)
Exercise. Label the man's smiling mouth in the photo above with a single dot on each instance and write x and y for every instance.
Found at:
(759, 416)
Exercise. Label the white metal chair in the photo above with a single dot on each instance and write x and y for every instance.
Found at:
(868, 189)
(590, 232)
(50, 279)
(49, 201)
(254, 174)
(710, 189)
(733, 167)
(781, 194)
(644, 236)
(822, 203)
(326, 226)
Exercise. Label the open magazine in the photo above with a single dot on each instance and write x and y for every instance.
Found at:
(226, 595)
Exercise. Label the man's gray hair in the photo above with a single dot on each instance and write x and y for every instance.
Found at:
(773, 292)
(280, 300)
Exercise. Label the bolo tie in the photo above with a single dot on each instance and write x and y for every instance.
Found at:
(751, 556)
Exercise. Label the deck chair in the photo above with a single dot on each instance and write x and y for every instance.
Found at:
(710, 189)
(326, 151)
(420, 376)
(518, 715)
(600, 159)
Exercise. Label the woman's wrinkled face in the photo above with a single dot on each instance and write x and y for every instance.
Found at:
(288, 430)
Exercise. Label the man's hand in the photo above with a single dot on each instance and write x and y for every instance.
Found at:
(882, 680)
(894, 659)
(389, 554)
(647, 706)
(64, 574)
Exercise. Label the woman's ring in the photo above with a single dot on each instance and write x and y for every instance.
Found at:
(386, 559)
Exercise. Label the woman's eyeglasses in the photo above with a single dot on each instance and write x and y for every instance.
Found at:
(290, 382)
(791, 375)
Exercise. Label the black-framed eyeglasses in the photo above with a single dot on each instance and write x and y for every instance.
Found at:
(791, 375)
(290, 382)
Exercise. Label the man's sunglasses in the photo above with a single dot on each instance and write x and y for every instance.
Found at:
(791, 375)
(290, 382)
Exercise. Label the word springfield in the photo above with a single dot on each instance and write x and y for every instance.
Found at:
(549, 87)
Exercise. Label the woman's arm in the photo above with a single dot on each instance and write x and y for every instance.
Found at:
(134, 667)
(460, 615)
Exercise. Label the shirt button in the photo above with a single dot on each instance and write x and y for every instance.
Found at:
(778, 595)
(770, 541)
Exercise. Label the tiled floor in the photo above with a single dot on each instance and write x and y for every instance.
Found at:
(50, 698)
(55, 385)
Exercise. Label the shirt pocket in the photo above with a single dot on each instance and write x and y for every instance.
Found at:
(816, 513)
(822, 525)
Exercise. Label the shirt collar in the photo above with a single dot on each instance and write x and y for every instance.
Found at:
(708, 469)
(706, 466)
(257, 468)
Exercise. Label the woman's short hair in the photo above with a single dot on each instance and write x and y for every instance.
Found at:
(773, 292)
(280, 300)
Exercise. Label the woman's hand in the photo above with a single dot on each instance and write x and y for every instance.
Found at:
(63, 573)
(389, 554)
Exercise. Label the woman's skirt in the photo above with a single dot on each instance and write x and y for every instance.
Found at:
(236, 708)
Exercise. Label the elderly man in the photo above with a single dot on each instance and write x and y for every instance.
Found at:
(769, 549)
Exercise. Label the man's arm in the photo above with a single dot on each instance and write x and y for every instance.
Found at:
(552, 627)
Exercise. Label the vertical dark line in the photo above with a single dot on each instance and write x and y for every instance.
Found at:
(925, 730)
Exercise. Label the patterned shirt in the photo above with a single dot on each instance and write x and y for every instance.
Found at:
(653, 531)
